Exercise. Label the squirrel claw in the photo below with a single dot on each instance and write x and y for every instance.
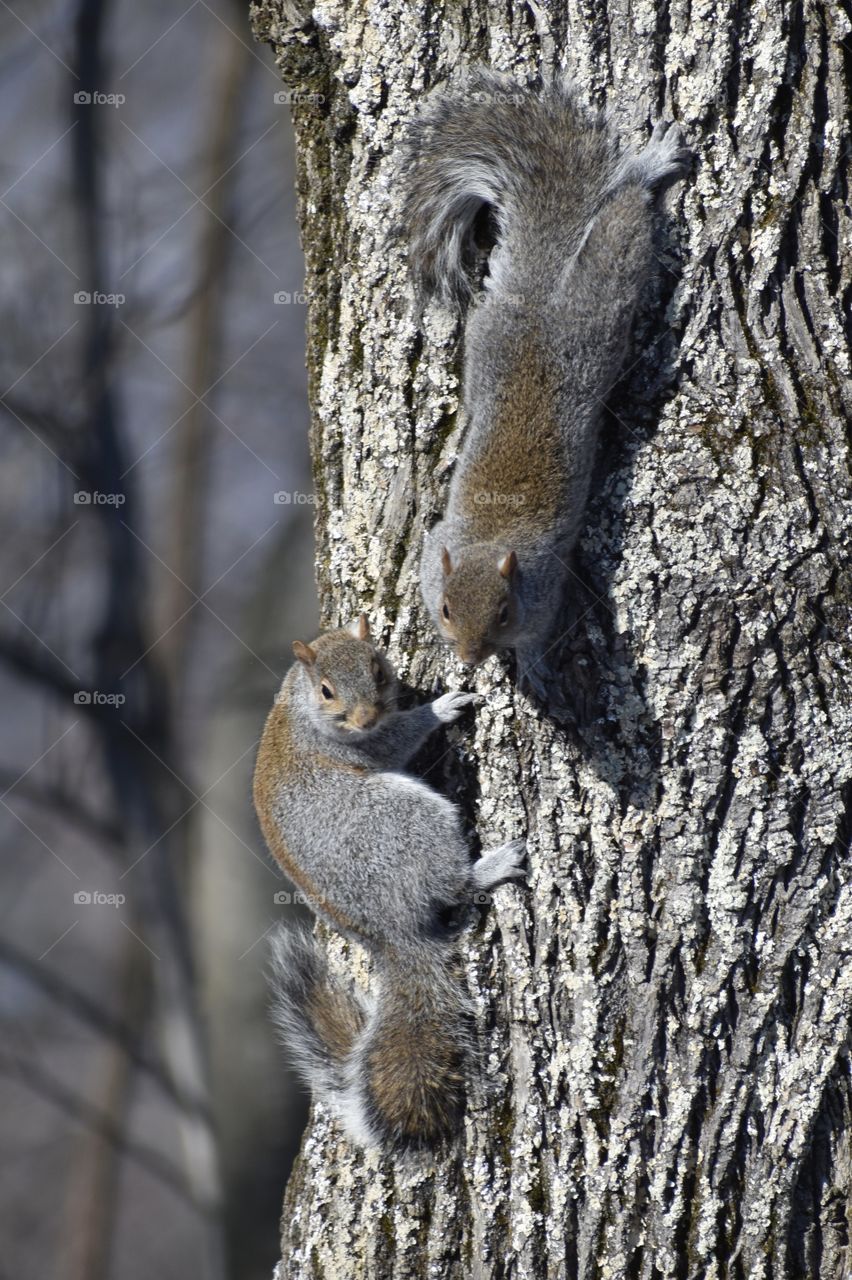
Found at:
(506, 862)
(666, 156)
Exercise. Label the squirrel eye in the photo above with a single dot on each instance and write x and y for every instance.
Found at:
(326, 691)
(503, 614)
(446, 611)
(378, 675)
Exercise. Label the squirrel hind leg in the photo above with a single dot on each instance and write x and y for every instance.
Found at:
(503, 863)
(666, 157)
(407, 1071)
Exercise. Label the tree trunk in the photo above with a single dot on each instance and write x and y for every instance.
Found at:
(664, 1085)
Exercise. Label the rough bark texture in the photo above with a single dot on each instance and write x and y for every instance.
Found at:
(664, 1085)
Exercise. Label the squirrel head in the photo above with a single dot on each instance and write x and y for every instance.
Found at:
(479, 611)
(352, 686)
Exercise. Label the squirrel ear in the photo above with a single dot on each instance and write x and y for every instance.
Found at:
(446, 563)
(360, 628)
(306, 655)
(508, 565)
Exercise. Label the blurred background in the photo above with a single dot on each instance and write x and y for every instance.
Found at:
(156, 565)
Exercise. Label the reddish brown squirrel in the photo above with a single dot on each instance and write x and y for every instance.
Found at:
(381, 857)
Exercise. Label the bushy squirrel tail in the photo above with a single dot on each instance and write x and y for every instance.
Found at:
(319, 1019)
(392, 1068)
(532, 161)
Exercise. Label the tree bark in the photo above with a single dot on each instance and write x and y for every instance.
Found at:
(663, 1088)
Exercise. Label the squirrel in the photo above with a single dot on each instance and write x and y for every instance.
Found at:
(382, 859)
(572, 215)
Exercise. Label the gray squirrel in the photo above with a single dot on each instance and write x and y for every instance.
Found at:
(380, 857)
(545, 340)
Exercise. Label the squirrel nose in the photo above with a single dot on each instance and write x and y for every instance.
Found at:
(364, 716)
(470, 655)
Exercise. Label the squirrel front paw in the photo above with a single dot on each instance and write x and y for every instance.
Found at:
(451, 705)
